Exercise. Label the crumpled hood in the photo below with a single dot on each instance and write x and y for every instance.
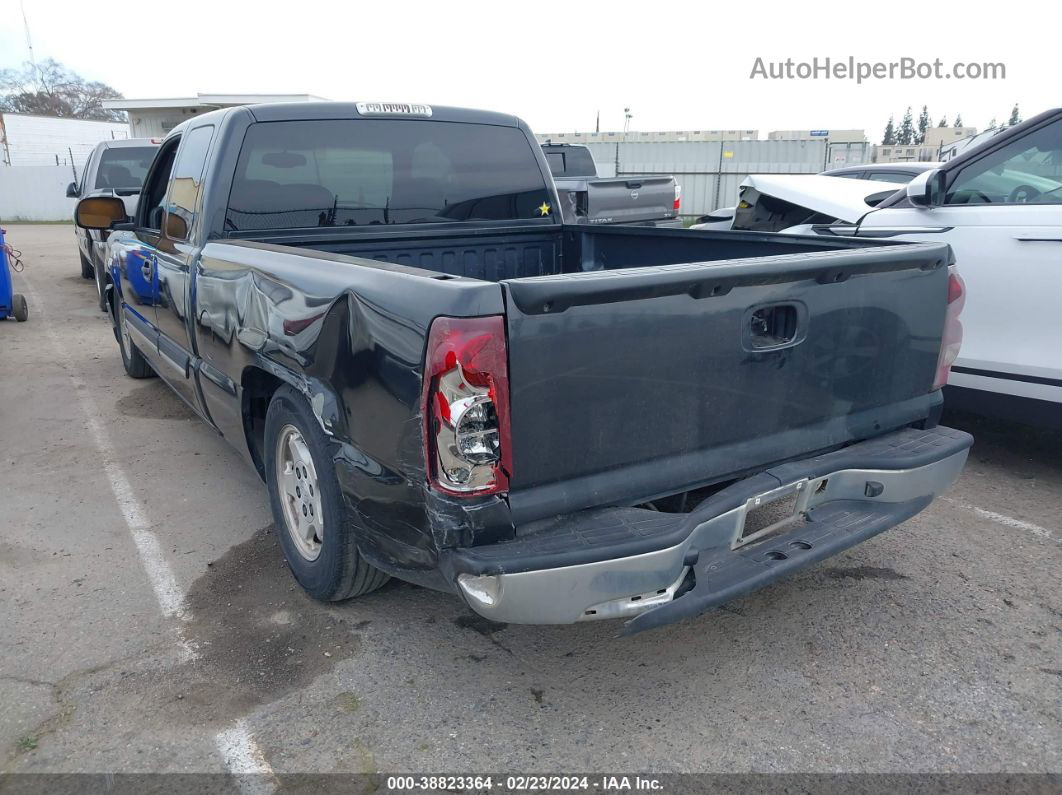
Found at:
(839, 197)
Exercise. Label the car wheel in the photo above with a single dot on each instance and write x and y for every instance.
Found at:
(87, 271)
(19, 307)
(311, 521)
(136, 366)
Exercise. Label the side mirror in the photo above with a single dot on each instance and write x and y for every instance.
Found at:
(71, 191)
(927, 189)
(176, 228)
(99, 212)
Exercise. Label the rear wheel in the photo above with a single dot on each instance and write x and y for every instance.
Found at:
(136, 366)
(19, 307)
(87, 271)
(312, 523)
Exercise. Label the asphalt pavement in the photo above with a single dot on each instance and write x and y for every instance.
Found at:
(149, 624)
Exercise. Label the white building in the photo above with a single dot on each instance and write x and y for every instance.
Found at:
(669, 136)
(27, 140)
(939, 140)
(154, 118)
(830, 136)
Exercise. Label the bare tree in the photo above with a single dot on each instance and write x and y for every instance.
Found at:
(50, 89)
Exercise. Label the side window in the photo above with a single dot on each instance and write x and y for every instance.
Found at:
(152, 197)
(186, 180)
(897, 177)
(556, 163)
(1028, 170)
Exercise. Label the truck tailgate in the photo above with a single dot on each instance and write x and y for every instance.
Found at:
(630, 199)
(630, 384)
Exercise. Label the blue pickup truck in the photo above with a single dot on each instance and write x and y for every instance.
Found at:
(439, 380)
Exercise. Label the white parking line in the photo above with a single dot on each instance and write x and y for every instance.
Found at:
(244, 760)
(1003, 519)
(168, 593)
(237, 746)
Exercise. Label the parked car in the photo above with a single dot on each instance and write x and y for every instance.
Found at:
(776, 202)
(999, 206)
(439, 380)
(586, 198)
(114, 168)
(899, 173)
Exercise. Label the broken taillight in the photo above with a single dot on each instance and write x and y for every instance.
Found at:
(951, 340)
(466, 404)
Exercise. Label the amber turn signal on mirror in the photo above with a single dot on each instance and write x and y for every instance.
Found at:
(99, 212)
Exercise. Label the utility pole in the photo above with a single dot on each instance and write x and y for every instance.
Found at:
(597, 125)
(626, 120)
(29, 45)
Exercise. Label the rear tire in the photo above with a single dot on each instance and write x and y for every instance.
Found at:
(311, 521)
(19, 307)
(87, 271)
(136, 366)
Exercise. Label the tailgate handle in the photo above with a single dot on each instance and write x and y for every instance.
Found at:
(634, 185)
(774, 326)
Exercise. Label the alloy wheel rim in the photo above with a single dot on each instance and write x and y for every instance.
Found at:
(300, 493)
(123, 328)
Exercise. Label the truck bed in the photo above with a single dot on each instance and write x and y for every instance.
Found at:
(500, 254)
(714, 393)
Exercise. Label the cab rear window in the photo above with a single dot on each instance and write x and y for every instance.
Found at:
(299, 174)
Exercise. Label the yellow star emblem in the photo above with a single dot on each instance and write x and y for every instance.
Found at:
(543, 209)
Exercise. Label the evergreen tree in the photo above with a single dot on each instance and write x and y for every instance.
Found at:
(889, 137)
(1015, 117)
(943, 121)
(958, 120)
(906, 136)
(992, 124)
(923, 125)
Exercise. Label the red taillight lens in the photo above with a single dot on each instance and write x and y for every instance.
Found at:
(951, 340)
(678, 196)
(468, 446)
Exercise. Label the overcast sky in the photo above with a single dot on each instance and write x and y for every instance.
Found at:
(677, 65)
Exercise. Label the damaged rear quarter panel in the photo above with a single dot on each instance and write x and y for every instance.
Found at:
(350, 335)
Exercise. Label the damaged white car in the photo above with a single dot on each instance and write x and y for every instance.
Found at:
(999, 206)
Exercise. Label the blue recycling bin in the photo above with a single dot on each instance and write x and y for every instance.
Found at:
(12, 304)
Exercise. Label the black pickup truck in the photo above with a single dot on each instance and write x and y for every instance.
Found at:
(439, 380)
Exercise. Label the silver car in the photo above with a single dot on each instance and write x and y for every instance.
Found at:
(115, 168)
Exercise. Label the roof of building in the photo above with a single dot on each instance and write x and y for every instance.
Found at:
(206, 101)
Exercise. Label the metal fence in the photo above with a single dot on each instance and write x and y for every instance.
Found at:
(711, 171)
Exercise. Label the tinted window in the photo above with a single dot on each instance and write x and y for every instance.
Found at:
(897, 177)
(298, 174)
(1026, 170)
(124, 167)
(571, 161)
(149, 209)
(556, 163)
(188, 175)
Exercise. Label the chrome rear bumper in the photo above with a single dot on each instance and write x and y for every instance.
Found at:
(834, 508)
